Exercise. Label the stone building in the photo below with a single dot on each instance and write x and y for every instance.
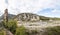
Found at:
(6, 15)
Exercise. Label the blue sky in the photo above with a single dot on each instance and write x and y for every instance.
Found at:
(49, 8)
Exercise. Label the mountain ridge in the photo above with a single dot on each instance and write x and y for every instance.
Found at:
(10, 16)
(28, 16)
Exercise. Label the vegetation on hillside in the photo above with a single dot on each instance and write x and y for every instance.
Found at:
(11, 25)
(52, 31)
(2, 32)
(21, 31)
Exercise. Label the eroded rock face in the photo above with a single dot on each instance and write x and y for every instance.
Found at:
(27, 17)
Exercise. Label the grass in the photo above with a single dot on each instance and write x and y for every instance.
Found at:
(52, 31)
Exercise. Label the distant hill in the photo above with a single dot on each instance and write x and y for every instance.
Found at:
(10, 16)
(30, 17)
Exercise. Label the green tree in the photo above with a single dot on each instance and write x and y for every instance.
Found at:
(2, 32)
(52, 31)
(11, 25)
(21, 31)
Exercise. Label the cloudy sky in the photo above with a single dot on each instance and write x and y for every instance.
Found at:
(49, 8)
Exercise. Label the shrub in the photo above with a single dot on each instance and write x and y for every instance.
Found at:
(11, 25)
(2, 32)
(53, 31)
(21, 31)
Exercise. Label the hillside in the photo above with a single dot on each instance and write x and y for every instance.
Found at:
(30, 17)
(30, 26)
(10, 16)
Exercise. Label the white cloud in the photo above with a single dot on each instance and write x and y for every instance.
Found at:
(47, 13)
(31, 6)
(2, 5)
(56, 11)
